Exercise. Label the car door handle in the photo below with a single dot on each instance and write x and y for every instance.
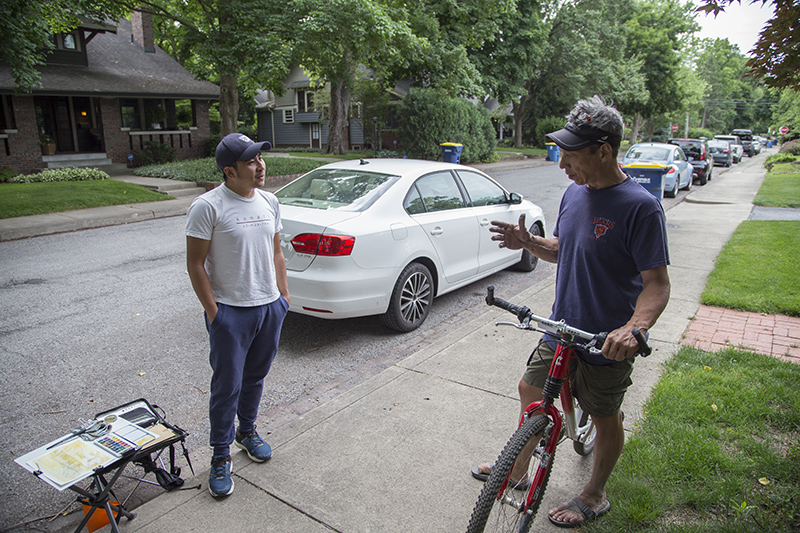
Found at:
(484, 222)
(437, 231)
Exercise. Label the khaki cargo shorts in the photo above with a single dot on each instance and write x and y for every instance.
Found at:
(599, 389)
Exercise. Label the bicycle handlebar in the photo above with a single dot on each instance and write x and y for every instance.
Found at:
(592, 343)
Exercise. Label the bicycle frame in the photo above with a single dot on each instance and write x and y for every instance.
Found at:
(557, 383)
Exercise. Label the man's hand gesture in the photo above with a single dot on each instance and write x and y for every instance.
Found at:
(511, 236)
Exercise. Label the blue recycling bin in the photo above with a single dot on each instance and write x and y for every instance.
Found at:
(553, 152)
(648, 175)
(451, 152)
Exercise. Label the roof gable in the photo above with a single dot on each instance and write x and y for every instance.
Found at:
(118, 67)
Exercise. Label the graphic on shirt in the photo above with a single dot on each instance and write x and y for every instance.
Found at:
(601, 227)
(252, 221)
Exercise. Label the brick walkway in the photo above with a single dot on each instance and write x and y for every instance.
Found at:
(715, 328)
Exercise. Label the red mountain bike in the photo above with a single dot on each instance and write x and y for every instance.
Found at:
(505, 505)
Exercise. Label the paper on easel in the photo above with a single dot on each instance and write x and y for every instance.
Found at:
(71, 462)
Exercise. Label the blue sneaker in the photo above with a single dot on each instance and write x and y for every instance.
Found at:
(220, 482)
(257, 450)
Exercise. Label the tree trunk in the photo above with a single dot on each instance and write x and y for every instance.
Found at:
(637, 123)
(338, 141)
(517, 110)
(228, 104)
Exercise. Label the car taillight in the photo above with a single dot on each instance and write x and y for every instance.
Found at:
(317, 244)
(671, 170)
(725, 150)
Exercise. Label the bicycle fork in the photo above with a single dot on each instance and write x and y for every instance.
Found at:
(552, 435)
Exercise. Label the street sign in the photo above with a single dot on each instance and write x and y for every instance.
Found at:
(784, 130)
(674, 128)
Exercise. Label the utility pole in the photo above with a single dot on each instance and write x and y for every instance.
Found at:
(686, 130)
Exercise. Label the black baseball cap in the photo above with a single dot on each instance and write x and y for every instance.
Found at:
(573, 137)
(237, 147)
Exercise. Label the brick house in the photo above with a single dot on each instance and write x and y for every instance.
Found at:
(105, 91)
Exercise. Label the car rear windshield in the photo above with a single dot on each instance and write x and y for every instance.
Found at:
(649, 153)
(689, 146)
(347, 190)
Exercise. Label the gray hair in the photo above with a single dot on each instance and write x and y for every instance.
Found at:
(597, 113)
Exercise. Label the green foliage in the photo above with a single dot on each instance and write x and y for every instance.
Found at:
(61, 174)
(545, 126)
(780, 157)
(699, 133)
(428, 118)
(23, 199)
(155, 152)
(6, 174)
(757, 269)
(699, 461)
(199, 170)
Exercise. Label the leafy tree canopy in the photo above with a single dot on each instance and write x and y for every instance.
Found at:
(776, 55)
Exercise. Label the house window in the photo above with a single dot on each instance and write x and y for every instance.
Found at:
(288, 116)
(130, 113)
(67, 41)
(305, 101)
(7, 121)
(355, 110)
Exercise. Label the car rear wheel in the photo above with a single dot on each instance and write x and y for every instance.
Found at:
(411, 299)
(528, 261)
(674, 191)
(704, 176)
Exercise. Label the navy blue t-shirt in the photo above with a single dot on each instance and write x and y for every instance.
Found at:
(606, 237)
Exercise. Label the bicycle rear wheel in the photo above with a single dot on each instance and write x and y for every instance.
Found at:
(504, 511)
(585, 444)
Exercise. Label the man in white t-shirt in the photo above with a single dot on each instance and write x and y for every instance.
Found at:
(238, 272)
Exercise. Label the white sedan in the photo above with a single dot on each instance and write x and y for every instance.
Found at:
(386, 236)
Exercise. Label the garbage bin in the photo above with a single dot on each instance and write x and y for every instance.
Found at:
(451, 152)
(648, 175)
(553, 152)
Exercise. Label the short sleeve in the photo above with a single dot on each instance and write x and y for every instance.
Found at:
(200, 220)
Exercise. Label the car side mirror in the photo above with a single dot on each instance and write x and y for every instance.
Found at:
(515, 198)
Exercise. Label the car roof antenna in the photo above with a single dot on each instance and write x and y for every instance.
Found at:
(364, 162)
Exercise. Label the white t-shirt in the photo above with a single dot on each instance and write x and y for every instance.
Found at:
(240, 260)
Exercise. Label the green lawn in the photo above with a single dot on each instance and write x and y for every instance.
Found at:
(718, 449)
(780, 189)
(757, 269)
(525, 150)
(21, 199)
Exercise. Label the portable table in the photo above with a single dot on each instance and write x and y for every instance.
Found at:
(101, 449)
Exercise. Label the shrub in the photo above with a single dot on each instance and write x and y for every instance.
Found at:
(791, 147)
(155, 153)
(781, 157)
(6, 174)
(547, 125)
(62, 174)
(428, 118)
(206, 169)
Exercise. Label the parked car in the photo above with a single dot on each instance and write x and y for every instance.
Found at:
(696, 151)
(386, 236)
(721, 152)
(678, 173)
(757, 145)
(736, 146)
(746, 136)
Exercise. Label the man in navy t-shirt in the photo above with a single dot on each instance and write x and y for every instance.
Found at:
(610, 244)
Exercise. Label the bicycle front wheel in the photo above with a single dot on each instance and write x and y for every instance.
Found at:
(504, 512)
